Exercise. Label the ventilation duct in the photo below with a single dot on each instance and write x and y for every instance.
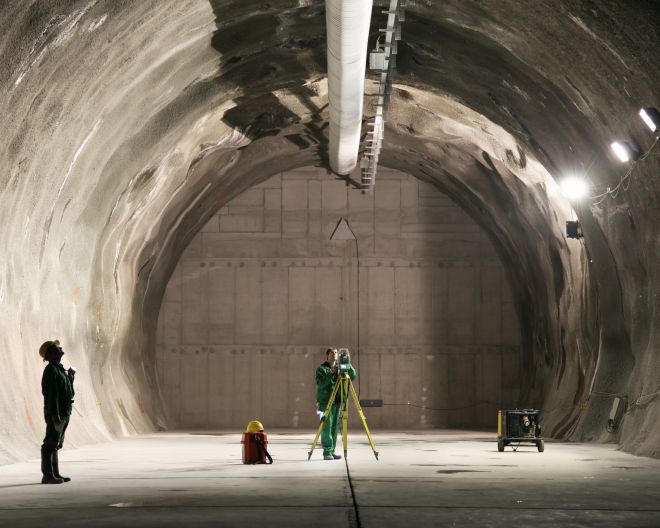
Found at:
(347, 23)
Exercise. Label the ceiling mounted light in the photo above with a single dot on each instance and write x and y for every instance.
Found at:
(574, 188)
(651, 117)
(624, 151)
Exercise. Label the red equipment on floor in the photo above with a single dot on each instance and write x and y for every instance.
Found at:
(255, 445)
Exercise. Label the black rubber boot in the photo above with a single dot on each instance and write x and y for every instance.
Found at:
(47, 468)
(56, 468)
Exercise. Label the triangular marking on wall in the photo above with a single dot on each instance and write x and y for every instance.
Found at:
(343, 231)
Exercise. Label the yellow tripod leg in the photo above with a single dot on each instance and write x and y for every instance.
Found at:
(344, 413)
(362, 418)
(324, 419)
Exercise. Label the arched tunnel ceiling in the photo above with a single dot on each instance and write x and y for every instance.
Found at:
(127, 125)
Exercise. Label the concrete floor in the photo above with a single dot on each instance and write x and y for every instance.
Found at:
(440, 478)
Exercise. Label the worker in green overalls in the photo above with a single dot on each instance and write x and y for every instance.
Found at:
(326, 377)
(57, 388)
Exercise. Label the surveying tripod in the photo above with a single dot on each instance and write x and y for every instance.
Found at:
(343, 385)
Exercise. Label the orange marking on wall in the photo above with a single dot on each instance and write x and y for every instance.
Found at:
(141, 406)
(28, 414)
(74, 294)
(222, 197)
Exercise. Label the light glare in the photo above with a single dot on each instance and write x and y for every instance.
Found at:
(574, 188)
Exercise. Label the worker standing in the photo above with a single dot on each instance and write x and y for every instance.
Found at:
(326, 377)
(57, 389)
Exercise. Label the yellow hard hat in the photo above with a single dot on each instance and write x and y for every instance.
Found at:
(254, 427)
(43, 348)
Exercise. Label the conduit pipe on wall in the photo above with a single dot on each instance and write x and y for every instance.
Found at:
(347, 23)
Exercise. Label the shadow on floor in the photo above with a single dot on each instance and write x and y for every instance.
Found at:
(21, 485)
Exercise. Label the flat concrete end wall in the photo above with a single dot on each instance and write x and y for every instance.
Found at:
(262, 291)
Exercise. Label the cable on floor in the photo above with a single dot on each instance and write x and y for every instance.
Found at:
(427, 408)
(358, 522)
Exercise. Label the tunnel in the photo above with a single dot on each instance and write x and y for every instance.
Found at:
(168, 210)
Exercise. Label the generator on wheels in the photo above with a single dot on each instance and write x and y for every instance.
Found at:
(520, 427)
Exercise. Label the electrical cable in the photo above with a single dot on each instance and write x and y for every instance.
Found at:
(357, 258)
(638, 401)
(471, 406)
(601, 393)
(474, 405)
(624, 182)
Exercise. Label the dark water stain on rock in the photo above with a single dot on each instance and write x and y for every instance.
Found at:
(454, 471)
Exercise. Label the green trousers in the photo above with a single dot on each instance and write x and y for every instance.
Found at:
(54, 438)
(329, 433)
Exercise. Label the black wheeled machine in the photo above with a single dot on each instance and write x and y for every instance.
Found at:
(519, 427)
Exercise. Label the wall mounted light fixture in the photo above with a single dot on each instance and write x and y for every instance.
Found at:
(625, 151)
(651, 117)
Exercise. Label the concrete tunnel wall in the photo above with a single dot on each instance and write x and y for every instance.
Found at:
(261, 292)
(128, 125)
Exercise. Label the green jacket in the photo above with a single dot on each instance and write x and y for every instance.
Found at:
(57, 390)
(325, 382)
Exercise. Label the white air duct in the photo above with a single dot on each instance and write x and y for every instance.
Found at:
(347, 23)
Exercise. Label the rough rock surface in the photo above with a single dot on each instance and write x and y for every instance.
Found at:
(128, 124)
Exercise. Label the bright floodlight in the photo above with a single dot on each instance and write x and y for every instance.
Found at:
(623, 151)
(651, 117)
(574, 188)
